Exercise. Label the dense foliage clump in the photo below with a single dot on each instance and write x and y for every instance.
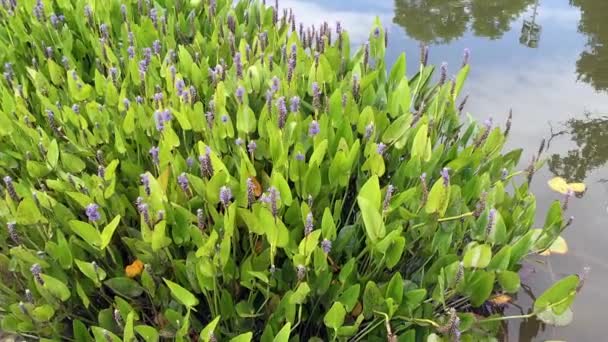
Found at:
(213, 170)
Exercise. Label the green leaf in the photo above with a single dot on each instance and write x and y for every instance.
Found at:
(420, 145)
(559, 320)
(480, 287)
(394, 289)
(28, 213)
(124, 286)
(52, 155)
(128, 333)
(397, 129)
(56, 287)
(334, 318)
(108, 231)
(87, 232)
(147, 332)
(439, 198)
(181, 294)
(349, 297)
(372, 219)
(559, 296)
(88, 269)
(159, 238)
(43, 313)
(509, 281)
(283, 334)
(372, 299)
(246, 337)
(398, 70)
(299, 296)
(478, 256)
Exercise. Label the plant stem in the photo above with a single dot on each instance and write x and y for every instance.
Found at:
(451, 218)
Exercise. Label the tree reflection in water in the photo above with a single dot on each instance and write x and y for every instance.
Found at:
(590, 134)
(441, 21)
(592, 65)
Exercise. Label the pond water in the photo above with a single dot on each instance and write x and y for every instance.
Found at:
(548, 62)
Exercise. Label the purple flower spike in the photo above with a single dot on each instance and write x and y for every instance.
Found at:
(282, 108)
(294, 104)
(145, 181)
(39, 11)
(274, 195)
(369, 130)
(276, 84)
(250, 192)
(131, 52)
(190, 162)
(300, 156)
(238, 65)
(326, 246)
(239, 142)
(205, 163)
(10, 188)
(156, 47)
(160, 122)
(387, 198)
(224, 118)
(309, 225)
(240, 93)
(445, 174)
(154, 151)
(225, 195)
(251, 147)
(200, 219)
(36, 271)
(356, 86)
(465, 57)
(491, 221)
(313, 128)
(12, 232)
(182, 180)
(92, 211)
(444, 73)
(316, 96)
(381, 148)
(301, 272)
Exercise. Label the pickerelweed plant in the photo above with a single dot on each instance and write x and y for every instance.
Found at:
(178, 169)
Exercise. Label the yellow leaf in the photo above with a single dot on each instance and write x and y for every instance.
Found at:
(560, 185)
(559, 246)
(501, 299)
(577, 187)
(163, 179)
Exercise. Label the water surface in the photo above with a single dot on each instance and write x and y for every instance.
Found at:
(548, 62)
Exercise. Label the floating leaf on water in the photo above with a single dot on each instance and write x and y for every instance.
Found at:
(559, 246)
(560, 185)
(501, 299)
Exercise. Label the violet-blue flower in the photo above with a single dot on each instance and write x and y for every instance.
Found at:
(225, 195)
(205, 163)
(294, 104)
(36, 270)
(381, 148)
(313, 128)
(309, 225)
(282, 108)
(251, 147)
(326, 246)
(154, 151)
(92, 211)
(240, 93)
(445, 174)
